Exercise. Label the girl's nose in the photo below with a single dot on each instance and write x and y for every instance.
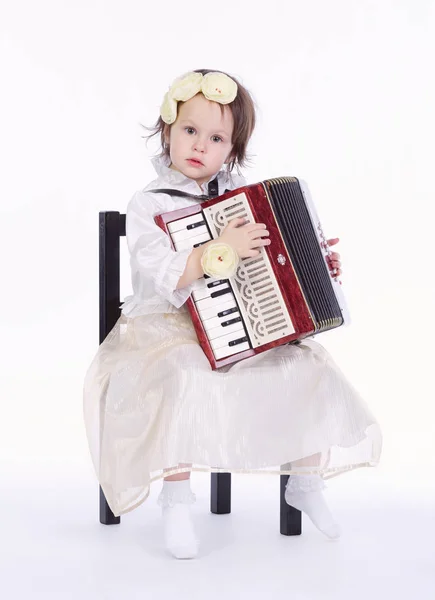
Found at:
(199, 145)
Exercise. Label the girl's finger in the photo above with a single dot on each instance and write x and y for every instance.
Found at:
(259, 233)
(333, 241)
(260, 242)
(336, 272)
(236, 222)
(254, 227)
(251, 253)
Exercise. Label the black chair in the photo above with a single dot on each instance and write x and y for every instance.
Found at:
(111, 228)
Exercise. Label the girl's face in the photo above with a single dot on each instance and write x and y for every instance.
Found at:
(200, 139)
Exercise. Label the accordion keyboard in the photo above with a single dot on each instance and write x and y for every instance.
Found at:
(214, 298)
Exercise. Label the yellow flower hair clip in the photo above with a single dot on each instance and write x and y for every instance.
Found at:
(215, 86)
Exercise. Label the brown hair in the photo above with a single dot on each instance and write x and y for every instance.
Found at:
(243, 111)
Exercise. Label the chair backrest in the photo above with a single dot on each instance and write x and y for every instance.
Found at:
(111, 228)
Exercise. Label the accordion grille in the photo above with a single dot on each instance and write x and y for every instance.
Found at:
(259, 298)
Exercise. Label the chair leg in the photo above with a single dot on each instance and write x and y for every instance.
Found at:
(106, 515)
(290, 518)
(220, 500)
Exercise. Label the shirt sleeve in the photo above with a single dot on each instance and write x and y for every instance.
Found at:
(151, 255)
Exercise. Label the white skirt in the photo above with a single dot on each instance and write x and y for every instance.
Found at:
(153, 407)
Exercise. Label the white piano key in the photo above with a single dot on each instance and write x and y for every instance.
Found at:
(203, 282)
(211, 312)
(206, 291)
(224, 340)
(190, 242)
(220, 331)
(215, 302)
(199, 294)
(217, 321)
(230, 350)
(180, 224)
(185, 234)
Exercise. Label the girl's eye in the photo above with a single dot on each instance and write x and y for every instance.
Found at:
(190, 130)
(216, 137)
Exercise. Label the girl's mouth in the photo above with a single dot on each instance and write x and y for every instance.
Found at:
(194, 162)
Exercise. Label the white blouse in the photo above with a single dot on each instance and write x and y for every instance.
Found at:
(155, 267)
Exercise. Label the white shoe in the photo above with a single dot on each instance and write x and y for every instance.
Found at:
(176, 499)
(304, 492)
(180, 538)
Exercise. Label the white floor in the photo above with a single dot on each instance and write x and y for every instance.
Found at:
(53, 546)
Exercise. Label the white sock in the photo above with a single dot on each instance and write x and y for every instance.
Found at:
(176, 499)
(304, 492)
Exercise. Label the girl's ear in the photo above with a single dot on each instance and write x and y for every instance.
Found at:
(167, 133)
(229, 158)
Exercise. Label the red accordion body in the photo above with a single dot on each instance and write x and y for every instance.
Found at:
(286, 296)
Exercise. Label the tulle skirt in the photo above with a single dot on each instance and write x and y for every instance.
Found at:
(153, 407)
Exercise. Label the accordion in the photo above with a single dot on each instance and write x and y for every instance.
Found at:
(281, 296)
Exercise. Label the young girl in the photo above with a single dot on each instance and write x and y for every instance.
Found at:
(153, 407)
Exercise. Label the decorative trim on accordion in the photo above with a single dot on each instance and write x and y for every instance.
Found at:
(254, 285)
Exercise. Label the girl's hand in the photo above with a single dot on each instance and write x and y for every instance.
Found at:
(333, 261)
(245, 237)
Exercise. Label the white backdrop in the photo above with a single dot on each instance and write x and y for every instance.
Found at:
(346, 94)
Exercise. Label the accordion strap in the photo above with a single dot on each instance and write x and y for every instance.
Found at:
(212, 192)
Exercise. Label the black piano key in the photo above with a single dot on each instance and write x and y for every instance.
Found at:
(229, 311)
(218, 282)
(231, 321)
(220, 293)
(200, 244)
(194, 225)
(237, 342)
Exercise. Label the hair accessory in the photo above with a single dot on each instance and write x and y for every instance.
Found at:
(220, 260)
(215, 86)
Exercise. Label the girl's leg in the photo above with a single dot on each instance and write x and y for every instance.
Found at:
(309, 461)
(314, 460)
(179, 476)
